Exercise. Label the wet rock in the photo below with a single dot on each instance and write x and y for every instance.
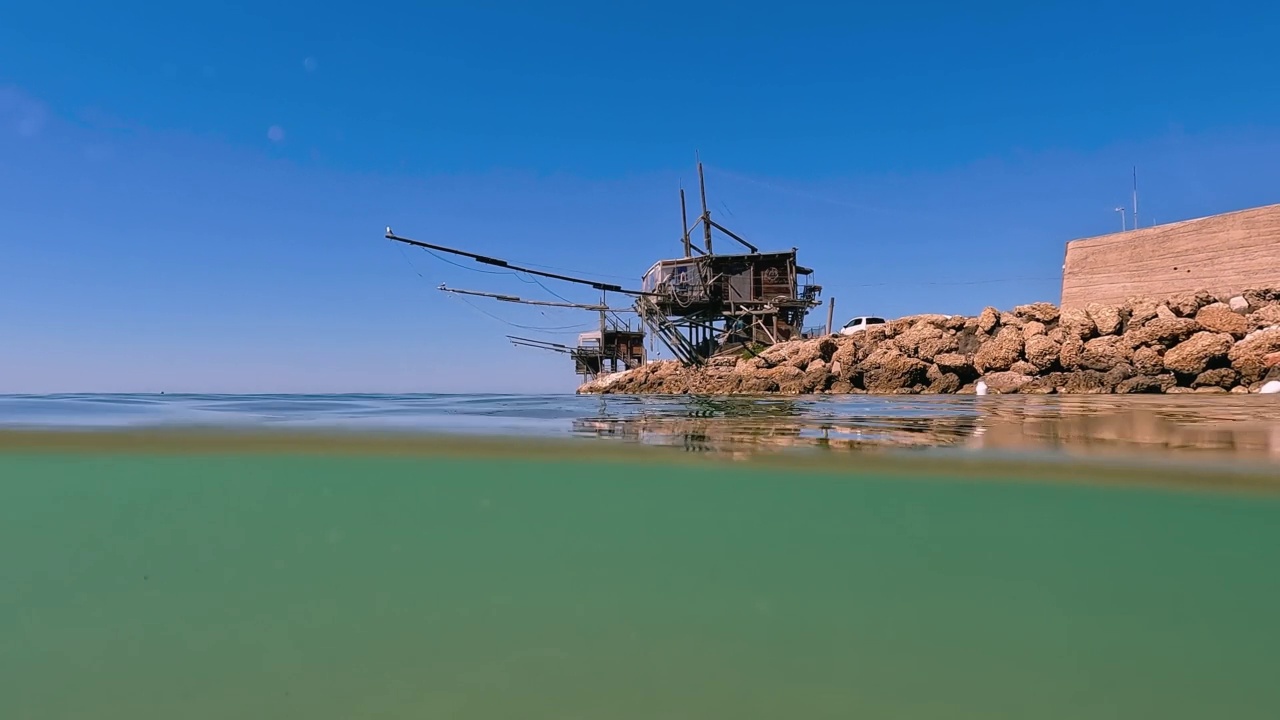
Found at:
(1118, 374)
(1040, 312)
(1146, 384)
(1022, 367)
(1222, 378)
(1042, 352)
(1219, 318)
(1248, 355)
(1006, 383)
(1240, 390)
(1209, 389)
(1000, 352)
(1085, 382)
(1104, 353)
(840, 387)
(1106, 318)
(944, 383)
(988, 320)
(1194, 355)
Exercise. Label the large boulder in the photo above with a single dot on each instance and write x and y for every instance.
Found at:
(942, 383)
(1148, 360)
(888, 370)
(1076, 322)
(1006, 383)
(1072, 353)
(1040, 312)
(1194, 355)
(910, 341)
(1219, 318)
(1032, 328)
(1042, 352)
(1104, 353)
(1187, 304)
(1249, 355)
(1146, 384)
(1085, 382)
(988, 320)
(1218, 378)
(1264, 317)
(1140, 311)
(1000, 352)
(1162, 331)
(954, 363)
(1105, 317)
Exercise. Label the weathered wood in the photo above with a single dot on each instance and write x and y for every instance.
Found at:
(1224, 254)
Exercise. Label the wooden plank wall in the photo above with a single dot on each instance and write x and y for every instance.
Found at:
(1224, 253)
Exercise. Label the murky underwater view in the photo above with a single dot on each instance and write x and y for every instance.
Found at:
(164, 580)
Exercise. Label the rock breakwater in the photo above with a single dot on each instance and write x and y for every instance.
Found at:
(1188, 343)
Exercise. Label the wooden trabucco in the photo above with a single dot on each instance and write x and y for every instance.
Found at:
(704, 304)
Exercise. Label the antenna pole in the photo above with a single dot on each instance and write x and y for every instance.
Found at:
(684, 225)
(706, 214)
(1135, 197)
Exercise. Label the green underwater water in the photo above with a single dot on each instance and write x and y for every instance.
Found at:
(244, 585)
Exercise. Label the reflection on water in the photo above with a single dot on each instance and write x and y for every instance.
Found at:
(1246, 427)
(1232, 426)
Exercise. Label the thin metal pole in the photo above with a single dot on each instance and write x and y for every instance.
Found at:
(684, 225)
(1135, 197)
(1123, 226)
(831, 311)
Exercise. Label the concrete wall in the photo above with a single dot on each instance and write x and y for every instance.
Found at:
(1224, 253)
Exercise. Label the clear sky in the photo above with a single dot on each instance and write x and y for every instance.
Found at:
(193, 196)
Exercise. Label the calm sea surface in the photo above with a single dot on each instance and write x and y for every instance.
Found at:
(1245, 428)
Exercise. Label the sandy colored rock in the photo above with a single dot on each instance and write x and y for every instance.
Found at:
(1033, 328)
(1162, 331)
(1239, 305)
(1223, 378)
(1076, 322)
(1148, 361)
(1000, 352)
(954, 363)
(1041, 352)
(888, 370)
(1071, 354)
(1085, 382)
(1141, 311)
(1006, 383)
(1194, 355)
(1248, 355)
(988, 320)
(1219, 318)
(1106, 318)
(1104, 353)
(1264, 317)
(1146, 384)
(1042, 312)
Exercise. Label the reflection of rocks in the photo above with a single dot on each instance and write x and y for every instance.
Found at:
(1142, 346)
(1234, 427)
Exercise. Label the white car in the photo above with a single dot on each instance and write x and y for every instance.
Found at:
(859, 324)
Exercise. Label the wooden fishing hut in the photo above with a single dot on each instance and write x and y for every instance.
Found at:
(703, 303)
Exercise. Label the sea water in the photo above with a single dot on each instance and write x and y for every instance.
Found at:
(167, 579)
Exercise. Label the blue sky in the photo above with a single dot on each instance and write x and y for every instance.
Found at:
(193, 198)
